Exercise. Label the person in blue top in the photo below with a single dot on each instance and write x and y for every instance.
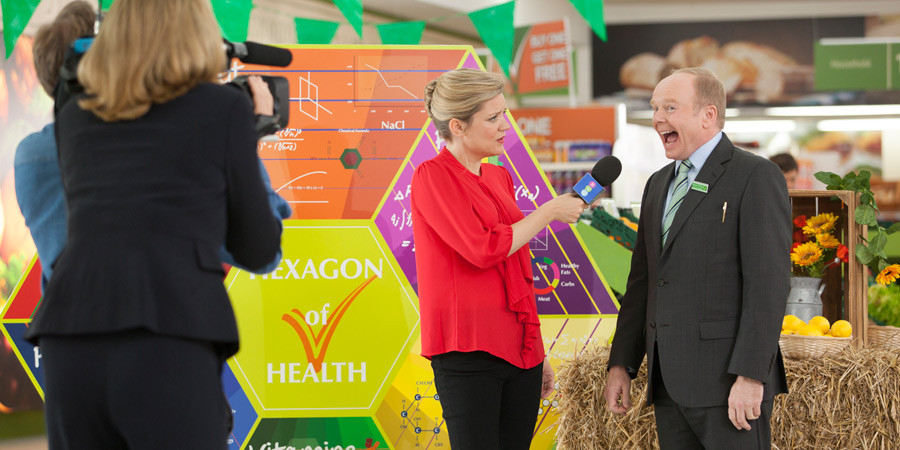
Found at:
(39, 189)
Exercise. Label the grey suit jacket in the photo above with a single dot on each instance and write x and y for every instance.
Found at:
(713, 298)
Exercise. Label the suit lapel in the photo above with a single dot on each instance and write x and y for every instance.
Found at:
(709, 174)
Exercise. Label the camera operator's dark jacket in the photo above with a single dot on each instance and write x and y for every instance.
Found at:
(150, 202)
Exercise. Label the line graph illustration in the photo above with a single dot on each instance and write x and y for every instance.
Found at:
(389, 85)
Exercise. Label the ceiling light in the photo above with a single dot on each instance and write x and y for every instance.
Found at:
(859, 124)
(759, 126)
(648, 113)
(836, 110)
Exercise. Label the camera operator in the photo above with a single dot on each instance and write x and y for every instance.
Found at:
(159, 167)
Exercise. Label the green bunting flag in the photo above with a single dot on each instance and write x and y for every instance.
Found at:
(16, 14)
(495, 26)
(592, 11)
(105, 4)
(403, 33)
(233, 17)
(352, 10)
(311, 31)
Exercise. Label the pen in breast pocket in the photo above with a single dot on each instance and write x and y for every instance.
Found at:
(724, 207)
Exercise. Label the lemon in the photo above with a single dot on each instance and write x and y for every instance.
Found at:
(809, 330)
(787, 332)
(821, 323)
(791, 322)
(841, 328)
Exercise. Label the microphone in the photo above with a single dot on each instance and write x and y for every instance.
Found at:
(253, 53)
(603, 174)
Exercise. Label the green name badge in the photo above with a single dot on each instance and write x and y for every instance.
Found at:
(698, 186)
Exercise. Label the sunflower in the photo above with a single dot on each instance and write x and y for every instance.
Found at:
(820, 224)
(826, 240)
(888, 275)
(806, 254)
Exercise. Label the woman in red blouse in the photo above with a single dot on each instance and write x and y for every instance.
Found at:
(480, 325)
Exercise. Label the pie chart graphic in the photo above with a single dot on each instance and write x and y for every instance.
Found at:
(553, 268)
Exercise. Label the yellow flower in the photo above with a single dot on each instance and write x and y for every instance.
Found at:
(826, 240)
(821, 224)
(806, 254)
(890, 274)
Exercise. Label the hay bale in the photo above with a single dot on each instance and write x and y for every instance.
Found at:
(585, 423)
(849, 400)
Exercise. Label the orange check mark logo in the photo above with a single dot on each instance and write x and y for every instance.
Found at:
(315, 345)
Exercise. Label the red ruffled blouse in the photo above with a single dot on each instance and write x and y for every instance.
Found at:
(471, 295)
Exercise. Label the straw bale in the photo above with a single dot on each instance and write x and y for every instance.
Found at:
(849, 400)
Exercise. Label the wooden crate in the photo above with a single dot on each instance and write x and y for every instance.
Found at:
(846, 290)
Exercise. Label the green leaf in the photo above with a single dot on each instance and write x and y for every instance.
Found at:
(865, 215)
(828, 178)
(877, 242)
(866, 199)
(882, 264)
(894, 228)
(864, 177)
(863, 255)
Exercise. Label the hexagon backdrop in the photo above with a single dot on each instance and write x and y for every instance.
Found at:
(330, 340)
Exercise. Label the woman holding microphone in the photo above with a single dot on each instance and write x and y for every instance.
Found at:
(159, 167)
(480, 326)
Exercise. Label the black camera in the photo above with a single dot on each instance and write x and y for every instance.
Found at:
(253, 53)
(248, 52)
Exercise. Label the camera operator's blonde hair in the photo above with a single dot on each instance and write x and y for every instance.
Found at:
(459, 94)
(150, 51)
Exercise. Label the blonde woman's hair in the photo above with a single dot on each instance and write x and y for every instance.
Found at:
(708, 90)
(149, 51)
(459, 94)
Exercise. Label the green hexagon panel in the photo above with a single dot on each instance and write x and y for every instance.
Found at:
(341, 433)
(325, 333)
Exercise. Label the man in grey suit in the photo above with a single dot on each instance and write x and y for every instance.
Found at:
(709, 280)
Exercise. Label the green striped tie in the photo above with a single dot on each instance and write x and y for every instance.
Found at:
(681, 188)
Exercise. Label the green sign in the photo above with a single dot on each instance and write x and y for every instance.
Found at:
(857, 66)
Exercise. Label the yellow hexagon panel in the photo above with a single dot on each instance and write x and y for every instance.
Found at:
(323, 333)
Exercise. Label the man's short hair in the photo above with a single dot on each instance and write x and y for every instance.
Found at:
(708, 90)
(52, 41)
(785, 162)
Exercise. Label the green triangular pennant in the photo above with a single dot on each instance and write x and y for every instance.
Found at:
(233, 17)
(16, 14)
(352, 10)
(495, 26)
(311, 31)
(404, 33)
(105, 4)
(592, 11)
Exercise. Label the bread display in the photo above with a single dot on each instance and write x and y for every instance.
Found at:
(750, 71)
(693, 52)
(730, 71)
(644, 70)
